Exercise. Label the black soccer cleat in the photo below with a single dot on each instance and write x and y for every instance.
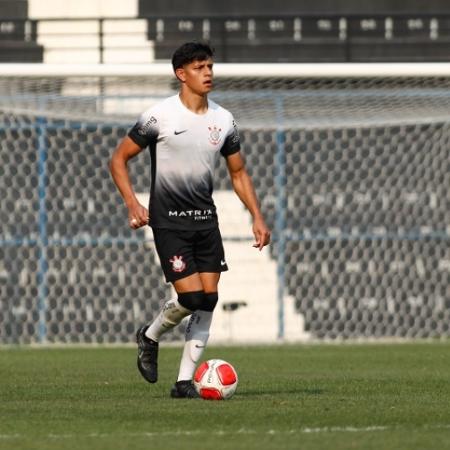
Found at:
(184, 389)
(147, 360)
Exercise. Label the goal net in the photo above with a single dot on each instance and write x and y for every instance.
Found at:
(350, 162)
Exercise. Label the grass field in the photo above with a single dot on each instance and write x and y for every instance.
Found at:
(336, 397)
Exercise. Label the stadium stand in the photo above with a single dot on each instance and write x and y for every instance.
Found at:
(366, 253)
(301, 31)
(141, 31)
(91, 31)
(17, 33)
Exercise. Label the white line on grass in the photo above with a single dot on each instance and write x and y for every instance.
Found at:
(343, 429)
(242, 431)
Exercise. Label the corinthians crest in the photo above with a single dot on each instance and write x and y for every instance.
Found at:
(178, 265)
(214, 134)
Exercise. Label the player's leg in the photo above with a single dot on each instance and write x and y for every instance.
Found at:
(172, 313)
(210, 260)
(189, 298)
(197, 333)
(175, 253)
(197, 330)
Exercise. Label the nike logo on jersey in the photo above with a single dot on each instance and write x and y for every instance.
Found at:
(176, 133)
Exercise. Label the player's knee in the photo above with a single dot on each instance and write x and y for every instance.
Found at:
(191, 300)
(198, 300)
(173, 313)
(210, 301)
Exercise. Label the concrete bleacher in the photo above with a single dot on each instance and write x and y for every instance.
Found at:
(69, 41)
(91, 31)
(249, 306)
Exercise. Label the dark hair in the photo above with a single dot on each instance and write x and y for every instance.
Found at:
(191, 51)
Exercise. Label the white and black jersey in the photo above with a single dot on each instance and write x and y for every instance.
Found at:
(184, 148)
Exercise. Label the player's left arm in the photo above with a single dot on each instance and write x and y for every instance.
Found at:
(243, 186)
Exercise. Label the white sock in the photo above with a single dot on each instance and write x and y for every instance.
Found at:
(196, 337)
(170, 316)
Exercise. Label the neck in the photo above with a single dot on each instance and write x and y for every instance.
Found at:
(198, 104)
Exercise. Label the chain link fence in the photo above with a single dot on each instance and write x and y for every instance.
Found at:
(353, 176)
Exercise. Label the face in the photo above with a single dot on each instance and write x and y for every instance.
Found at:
(197, 76)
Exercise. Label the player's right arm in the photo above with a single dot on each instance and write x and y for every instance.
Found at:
(138, 215)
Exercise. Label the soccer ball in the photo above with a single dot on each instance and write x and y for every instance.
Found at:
(215, 379)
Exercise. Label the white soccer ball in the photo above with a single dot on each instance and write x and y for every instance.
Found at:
(215, 379)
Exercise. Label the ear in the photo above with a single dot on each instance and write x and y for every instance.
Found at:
(180, 74)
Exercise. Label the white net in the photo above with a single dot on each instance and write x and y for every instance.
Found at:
(353, 172)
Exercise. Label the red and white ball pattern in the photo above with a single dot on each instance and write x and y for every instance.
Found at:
(215, 379)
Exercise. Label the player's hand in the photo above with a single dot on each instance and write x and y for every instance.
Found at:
(138, 216)
(262, 234)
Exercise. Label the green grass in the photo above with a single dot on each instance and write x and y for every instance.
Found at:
(289, 397)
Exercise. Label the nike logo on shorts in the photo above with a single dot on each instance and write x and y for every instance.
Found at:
(223, 263)
(176, 133)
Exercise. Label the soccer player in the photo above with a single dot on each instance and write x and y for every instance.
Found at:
(185, 134)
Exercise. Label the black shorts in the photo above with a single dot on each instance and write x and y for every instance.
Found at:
(183, 253)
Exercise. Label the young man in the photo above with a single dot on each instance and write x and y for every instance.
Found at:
(185, 134)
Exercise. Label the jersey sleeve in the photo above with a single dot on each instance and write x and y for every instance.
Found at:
(232, 143)
(146, 129)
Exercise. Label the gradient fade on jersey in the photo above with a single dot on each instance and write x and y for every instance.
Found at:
(184, 148)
